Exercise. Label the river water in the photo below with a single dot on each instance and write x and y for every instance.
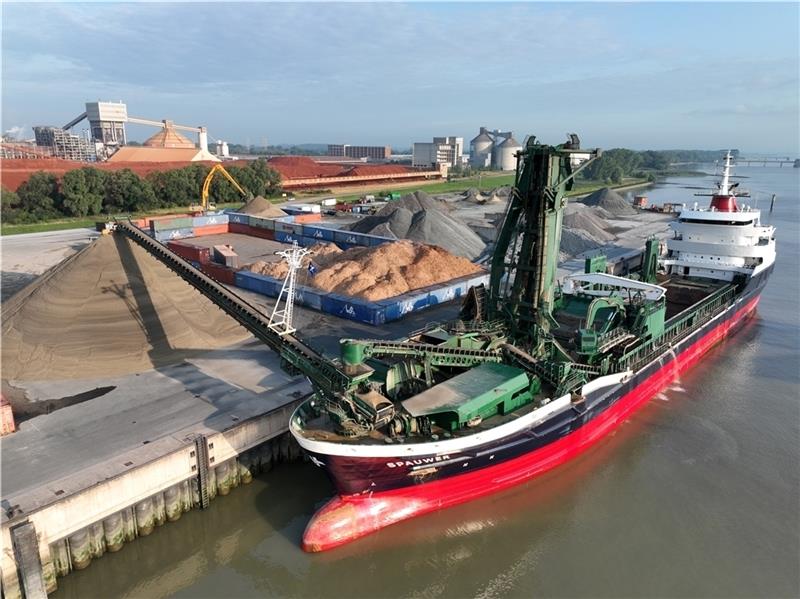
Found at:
(697, 495)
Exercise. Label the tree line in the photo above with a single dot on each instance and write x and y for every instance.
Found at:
(614, 165)
(91, 191)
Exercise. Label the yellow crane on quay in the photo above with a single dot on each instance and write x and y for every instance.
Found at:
(205, 206)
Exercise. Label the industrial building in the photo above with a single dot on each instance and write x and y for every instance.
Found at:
(63, 144)
(494, 149)
(167, 145)
(448, 151)
(369, 152)
(107, 138)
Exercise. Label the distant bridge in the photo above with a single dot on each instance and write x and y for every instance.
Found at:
(768, 162)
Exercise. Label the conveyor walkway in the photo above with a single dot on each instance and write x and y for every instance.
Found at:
(436, 355)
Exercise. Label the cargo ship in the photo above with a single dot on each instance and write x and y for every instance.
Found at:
(535, 370)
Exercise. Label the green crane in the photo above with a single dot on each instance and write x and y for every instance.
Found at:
(523, 274)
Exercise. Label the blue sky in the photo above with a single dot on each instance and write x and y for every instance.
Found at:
(651, 75)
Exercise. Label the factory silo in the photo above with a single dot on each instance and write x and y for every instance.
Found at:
(480, 149)
(504, 154)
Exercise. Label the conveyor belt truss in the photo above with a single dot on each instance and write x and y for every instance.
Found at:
(323, 373)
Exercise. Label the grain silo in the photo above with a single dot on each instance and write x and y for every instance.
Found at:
(504, 154)
(480, 149)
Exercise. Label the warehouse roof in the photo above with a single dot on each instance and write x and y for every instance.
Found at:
(142, 154)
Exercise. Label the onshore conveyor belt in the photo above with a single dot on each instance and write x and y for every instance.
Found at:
(323, 372)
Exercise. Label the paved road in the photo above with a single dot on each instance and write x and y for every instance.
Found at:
(25, 257)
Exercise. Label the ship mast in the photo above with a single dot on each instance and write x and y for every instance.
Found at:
(724, 188)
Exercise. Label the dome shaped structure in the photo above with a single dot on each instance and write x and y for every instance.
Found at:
(168, 137)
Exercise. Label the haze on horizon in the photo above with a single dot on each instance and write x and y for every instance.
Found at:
(642, 76)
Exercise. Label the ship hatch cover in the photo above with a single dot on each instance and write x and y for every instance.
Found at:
(467, 392)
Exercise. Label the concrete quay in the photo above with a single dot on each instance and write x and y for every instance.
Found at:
(98, 463)
(89, 477)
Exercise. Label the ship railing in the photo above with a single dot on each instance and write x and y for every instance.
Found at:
(679, 327)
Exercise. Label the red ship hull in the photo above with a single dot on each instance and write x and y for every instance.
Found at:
(349, 517)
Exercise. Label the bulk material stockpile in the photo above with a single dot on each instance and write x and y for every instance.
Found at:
(259, 206)
(610, 201)
(419, 218)
(110, 309)
(373, 285)
(374, 273)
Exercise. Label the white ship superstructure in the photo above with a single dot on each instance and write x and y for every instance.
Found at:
(721, 241)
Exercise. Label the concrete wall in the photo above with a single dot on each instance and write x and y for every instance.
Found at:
(81, 525)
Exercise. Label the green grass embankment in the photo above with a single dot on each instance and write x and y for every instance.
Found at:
(485, 183)
(63, 223)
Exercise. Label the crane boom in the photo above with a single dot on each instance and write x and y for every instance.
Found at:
(218, 168)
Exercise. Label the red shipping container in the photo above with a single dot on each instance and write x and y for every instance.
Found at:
(219, 272)
(210, 230)
(261, 233)
(239, 228)
(190, 252)
(308, 217)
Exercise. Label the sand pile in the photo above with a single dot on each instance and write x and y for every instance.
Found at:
(418, 217)
(260, 206)
(108, 310)
(375, 273)
(610, 201)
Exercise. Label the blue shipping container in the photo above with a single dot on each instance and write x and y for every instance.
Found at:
(285, 227)
(441, 294)
(170, 234)
(349, 238)
(353, 309)
(285, 237)
(207, 221)
(375, 240)
(478, 280)
(240, 219)
(396, 308)
(258, 283)
(262, 223)
(319, 233)
(309, 297)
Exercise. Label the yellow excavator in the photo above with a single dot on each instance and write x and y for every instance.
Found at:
(205, 206)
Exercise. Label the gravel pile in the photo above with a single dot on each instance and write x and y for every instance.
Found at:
(374, 273)
(610, 201)
(577, 241)
(110, 309)
(419, 218)
(583, 218)
(473, 195)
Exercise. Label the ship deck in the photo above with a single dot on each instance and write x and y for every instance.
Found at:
(322, 428)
